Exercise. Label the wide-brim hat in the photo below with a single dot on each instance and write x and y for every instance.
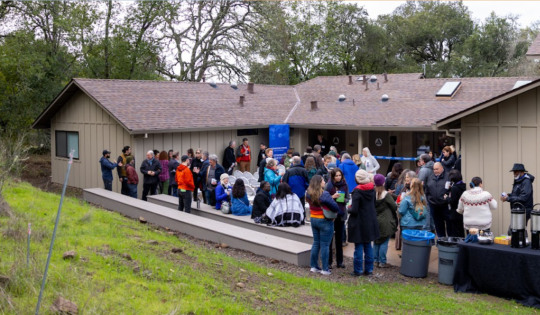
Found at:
(518, 167)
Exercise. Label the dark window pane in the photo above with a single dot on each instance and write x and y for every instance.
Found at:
(61, 144)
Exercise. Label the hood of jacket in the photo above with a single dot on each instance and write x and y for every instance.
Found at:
(348, 162)
(527, 176)
(429, 165)
(182, 167)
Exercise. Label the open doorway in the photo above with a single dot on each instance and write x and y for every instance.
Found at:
(336, 138)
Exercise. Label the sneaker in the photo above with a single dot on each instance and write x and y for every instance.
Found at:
(368, 273)
(315, 270)
(341, 266)
(326, 273)
(356, 274)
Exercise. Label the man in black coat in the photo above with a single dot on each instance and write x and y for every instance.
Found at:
(269, 153)
(324, 146)
(229, 159)
(262, 154)
(151, 168)
(209, 176)
(522, 190)
(436, 187)
(173, 165)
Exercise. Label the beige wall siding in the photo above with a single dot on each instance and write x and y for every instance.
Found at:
(496, 138)
(97, 131)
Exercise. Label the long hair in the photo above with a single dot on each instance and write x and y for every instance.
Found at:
(333, 174)
(239, 189)
(379, 190)
(163, 155)
(315, 190)
(310, 163)
(190, 153)
(401, 178)
(417, 195)
(283, 190)
(397, 169)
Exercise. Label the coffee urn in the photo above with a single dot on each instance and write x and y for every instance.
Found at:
(517, 227)
(535, 229)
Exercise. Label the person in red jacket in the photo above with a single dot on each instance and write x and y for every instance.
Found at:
(243, 156)
(132, 177)
(184, 178)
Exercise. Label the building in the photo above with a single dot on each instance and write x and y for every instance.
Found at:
(533, 53)
(403, 114)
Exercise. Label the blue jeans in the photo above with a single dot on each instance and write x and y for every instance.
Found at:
(174, 190)
(380, 251)
(361, 250)
(207, 194)
(107, 184)
(132, 190)
(322, 236)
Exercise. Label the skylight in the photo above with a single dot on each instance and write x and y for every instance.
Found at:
(520, 83)
(448, 89)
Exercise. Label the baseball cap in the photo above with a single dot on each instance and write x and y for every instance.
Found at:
(184, 158)
(106, 151)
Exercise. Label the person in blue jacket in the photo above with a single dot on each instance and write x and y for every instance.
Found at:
(413, 208)
(240, 203)
(106, 169)
(271, 176)
(349, 169)
(297, 177)
(222, 190)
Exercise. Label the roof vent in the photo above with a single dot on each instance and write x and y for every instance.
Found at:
(385, 77)
(251, 87)
(234, 86)
(520, 84)
(350, 79)
(314, 105)
(342, 98)
(242, 98)
(213, 84)
(385, 98)
(373, 78)
(449, 89)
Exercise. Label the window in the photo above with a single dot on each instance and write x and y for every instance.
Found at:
(247, 132)
(65, 142)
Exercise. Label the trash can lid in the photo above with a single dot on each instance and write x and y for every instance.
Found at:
(449, 241)
(418, 235)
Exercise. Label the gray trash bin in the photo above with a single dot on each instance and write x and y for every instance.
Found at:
(448, 254)
(415, 253)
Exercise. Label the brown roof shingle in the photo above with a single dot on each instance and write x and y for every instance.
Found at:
(534, 49)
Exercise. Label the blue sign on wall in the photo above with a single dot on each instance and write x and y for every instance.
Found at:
(279, 140)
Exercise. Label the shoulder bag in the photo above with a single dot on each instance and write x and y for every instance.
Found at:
(225, 207)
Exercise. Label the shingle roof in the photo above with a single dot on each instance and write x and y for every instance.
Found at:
(534, 49)
(146, 106)
(412, 101)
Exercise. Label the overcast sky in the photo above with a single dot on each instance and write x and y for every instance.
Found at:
(529, 11)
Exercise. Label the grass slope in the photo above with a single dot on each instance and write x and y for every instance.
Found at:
(199, 280)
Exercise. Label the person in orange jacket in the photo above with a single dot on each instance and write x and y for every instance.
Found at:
(184, 178)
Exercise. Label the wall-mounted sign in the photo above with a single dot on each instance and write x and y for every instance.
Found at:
(378, 142)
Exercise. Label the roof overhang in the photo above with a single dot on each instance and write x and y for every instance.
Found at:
(443, 123)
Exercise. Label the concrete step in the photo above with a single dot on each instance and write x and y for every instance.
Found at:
(301, 234)
(271, 246)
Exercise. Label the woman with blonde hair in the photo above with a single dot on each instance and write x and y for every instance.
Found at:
(413, 207)
(358, 161)
(448, 159)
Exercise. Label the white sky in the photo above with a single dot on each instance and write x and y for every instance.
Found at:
(528, 11)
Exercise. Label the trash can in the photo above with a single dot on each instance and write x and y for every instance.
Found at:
(448, 254)
(416, 252)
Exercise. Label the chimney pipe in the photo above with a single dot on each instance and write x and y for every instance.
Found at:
(250, 87)
(242, 98)
(364, 80)
(204, 78)
(378, 88)
(350, 79)
(314, 105)
(385, 77)
(367, 86)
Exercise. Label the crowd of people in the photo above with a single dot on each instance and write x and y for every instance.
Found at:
(348, 200)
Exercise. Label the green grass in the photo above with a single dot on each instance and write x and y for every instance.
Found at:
(199, 280)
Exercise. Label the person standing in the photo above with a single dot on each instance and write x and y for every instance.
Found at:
(164, 175)
(308, 153)
(122, 176)
(229, 160)
(269, 153)
(317, 155)
(184, 179)
(522, 190)
(392, 178)
(106, 169)
(150, 168)
(173, 165)
(426, 168)
(322, 142)
(437, 187)
(287, 159)
(476, 206)
(311, 167)
(386, 217)
(338, 189)
(272, 176)
(195, 167)
(324, 170)
(349, 170)
(210, 175)
(372, 166)
(456, 190)
(413, 207)
(132, 177)
(297, 178)
(362, 225)
(262, 154)
(322, 228)
(243, 156)
(448, 159)
(358, 161)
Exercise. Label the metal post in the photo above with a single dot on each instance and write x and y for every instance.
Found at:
(54, 232)
(28, 247)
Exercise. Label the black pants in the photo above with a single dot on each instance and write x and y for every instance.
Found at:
(184, 201)
(441, 217)
(457, 228)
(149, 189)
(107, 184)
(125, 188)
(338, 237)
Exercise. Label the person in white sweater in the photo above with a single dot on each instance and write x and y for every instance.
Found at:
(370, 162)
(476, 206)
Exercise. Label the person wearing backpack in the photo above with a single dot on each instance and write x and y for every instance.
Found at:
(413, 207)
(386, 217)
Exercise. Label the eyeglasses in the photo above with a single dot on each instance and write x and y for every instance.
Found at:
(197, 152)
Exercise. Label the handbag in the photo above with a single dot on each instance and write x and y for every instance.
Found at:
(329, 215)
(225, 207)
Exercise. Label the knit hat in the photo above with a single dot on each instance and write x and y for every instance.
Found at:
(379, 180)
(222, 177)
(129, 159)
(362, 177)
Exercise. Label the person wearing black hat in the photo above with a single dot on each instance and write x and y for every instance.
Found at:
(106, 169)
(522, 190)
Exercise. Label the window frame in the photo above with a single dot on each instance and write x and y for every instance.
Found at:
(66, 142)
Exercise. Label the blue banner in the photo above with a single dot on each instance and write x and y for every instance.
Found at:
(279, 140)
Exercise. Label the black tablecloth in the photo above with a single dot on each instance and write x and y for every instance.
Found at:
(499, 270)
